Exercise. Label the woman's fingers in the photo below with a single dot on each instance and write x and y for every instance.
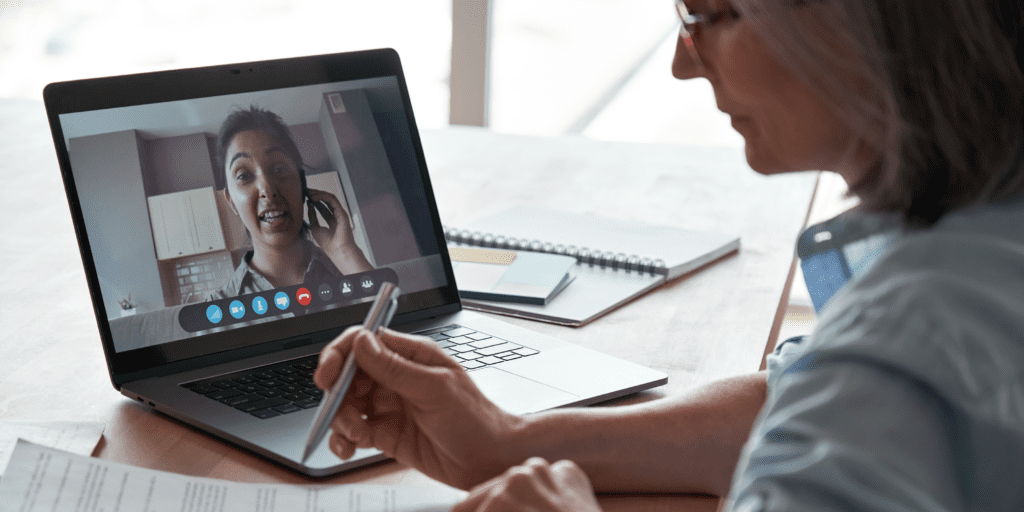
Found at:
(385, 403)
(326, 213)
(568, 473)
(330, 207)
(341, 447)
(332, 357)
(402, 363)
(314, 222)
(414, 348)
(351, 423)
(396, 370)
(533, 485)
(499, 489)
(329, 200)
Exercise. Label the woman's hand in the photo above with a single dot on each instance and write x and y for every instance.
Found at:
(416, 404)
(337, 238)
(535, 485)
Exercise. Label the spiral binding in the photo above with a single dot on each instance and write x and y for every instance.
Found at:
(583, 255)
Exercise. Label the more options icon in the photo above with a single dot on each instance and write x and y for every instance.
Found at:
(237, 309)
(324, 292)
(214, 314)
(281, 300)
(259, 305)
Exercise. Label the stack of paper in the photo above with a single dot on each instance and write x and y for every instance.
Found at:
(43, 479)
(71, 436)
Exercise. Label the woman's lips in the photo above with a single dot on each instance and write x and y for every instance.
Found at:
(273, 217)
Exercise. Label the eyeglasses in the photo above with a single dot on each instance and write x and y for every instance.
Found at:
(692, 23)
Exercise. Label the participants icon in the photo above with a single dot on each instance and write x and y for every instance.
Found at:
(281, 300)
(214, 314)
(259, 305)
(237, 309)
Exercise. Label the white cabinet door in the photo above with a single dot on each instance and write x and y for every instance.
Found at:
(206, 222)
(185, 223)
(156, 219)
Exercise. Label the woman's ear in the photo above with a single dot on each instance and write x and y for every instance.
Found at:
(227, 198)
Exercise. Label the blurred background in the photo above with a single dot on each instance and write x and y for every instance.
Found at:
(597, 68)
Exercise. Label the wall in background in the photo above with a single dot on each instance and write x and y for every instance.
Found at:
(108, 169)
(176, 164)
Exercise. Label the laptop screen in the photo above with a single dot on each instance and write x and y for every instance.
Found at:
(223, 221)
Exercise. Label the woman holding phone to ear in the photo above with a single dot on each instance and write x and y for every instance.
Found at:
(261, 177)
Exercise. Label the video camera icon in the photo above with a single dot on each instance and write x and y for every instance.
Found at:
(237, 309)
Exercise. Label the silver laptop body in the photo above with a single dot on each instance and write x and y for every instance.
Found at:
(167, 334)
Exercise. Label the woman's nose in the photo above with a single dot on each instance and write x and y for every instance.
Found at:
(684, 65)
(267, 186)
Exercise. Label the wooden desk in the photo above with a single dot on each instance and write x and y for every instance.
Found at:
(712, 324)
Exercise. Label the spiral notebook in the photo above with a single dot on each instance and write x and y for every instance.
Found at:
(617, 260)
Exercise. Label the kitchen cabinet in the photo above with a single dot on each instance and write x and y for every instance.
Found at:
(185, 223)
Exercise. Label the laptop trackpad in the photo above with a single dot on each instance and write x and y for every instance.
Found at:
(518, 394)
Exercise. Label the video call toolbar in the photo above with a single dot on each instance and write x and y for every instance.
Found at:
(294, 300)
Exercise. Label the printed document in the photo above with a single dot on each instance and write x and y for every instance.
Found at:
(43, 479)
(71, 436)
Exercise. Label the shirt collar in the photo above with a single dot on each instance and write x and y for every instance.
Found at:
(247, 278)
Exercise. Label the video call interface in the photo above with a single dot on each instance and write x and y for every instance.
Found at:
(220, 213)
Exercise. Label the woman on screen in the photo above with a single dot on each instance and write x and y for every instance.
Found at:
(261, 176)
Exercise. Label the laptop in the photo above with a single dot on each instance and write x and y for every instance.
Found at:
(189, 235)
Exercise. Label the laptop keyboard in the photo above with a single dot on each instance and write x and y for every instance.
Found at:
(473, 349)
(286, 387)
(266, 391)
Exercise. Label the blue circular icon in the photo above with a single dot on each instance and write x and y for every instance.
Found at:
(214, 314)
(281, 300)
(259, 305)
(237, 308)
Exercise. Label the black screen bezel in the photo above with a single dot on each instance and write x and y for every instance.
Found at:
(139, 89)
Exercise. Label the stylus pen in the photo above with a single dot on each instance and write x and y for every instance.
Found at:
(380, 314)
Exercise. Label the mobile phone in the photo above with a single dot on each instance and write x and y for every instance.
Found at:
(323, 208)
(837, 250)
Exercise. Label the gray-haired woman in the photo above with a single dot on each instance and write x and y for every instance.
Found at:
(909, 395)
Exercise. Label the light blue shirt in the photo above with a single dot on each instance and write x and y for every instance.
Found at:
(909, 395)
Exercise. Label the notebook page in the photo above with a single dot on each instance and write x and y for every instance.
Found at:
(681, 250)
